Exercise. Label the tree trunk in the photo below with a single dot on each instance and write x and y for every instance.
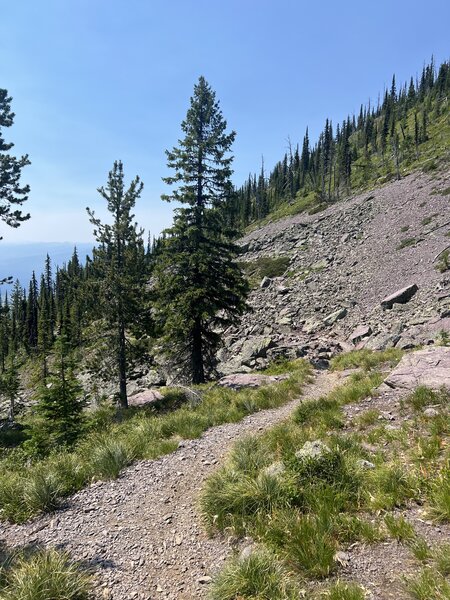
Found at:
(198, 371)
(122, 363)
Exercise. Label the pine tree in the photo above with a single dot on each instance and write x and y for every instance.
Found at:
(12, 193)
(119, 263)
(32, 315)
(60, 403)
(10, 385)
(200, 288)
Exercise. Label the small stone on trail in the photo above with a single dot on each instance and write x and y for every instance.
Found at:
(430, 412)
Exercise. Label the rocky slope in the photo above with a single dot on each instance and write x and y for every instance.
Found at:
(342, 263)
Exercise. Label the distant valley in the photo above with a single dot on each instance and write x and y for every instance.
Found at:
(20, 260)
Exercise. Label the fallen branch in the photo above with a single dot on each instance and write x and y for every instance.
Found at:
(441, 252)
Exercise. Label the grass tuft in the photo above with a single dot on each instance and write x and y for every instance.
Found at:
(345, 591)
(439, 495)
(257, 577)
(46, 575)
(428, 585)
(366, 359)
(399, 528)
(424, 396)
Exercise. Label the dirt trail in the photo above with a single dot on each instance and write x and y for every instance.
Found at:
(142, 533)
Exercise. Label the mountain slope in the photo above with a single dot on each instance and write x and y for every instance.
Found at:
(347, 259)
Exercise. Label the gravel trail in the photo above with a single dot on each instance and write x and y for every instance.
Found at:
(142, 533)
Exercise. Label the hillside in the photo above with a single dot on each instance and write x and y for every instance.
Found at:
(334, 268)
(165, 527)
(253, 418)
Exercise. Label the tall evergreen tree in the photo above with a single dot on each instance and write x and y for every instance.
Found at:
(10, 385)
(119, 263)
(12, 193)
(200, 288)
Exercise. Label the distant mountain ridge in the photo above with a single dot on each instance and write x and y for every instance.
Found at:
(20, 260)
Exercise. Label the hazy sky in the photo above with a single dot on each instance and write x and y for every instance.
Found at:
(98, 80)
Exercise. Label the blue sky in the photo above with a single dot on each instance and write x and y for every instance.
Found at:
(98, 80)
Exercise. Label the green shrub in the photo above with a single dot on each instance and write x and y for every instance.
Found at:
(366, 359)
(305, 541)
(107, 457)
(443, 264)
(406, 243)
(439, 495)
(265, 266)
(48, 575)
(399, 528)
(257, 577)
(345, 591)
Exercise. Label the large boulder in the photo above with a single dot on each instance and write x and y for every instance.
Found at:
(430, 367)
(400, 296)
(255, 347)
(145, 398)
(359, 333)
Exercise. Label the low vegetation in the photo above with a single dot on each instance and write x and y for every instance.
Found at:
(42, 575)
(431, 583)
(31, 483)
(264, 266)
(312, 486)
(443, 264)
(407, 242)
(366, 359)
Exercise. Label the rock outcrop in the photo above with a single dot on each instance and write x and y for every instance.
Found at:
(400, 296)
(430, 367)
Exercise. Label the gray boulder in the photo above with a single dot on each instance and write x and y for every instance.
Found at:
(430, 367)
(335, 316)
(359, 333)
(400, 296)
(145, 398)
(255, 347)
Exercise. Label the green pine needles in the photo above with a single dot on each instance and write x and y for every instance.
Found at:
(200, 289)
